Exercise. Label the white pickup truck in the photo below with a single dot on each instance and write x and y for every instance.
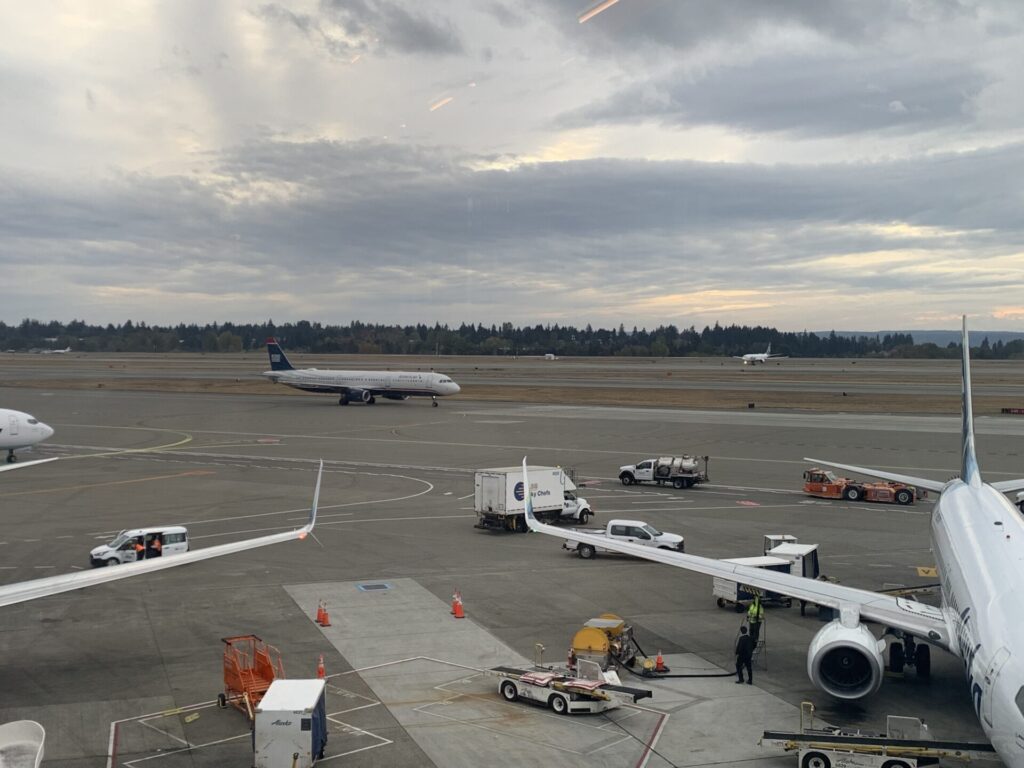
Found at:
(633, 531)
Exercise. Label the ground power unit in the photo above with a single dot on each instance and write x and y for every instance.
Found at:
(290, 729)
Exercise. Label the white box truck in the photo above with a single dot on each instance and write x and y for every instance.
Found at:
(500, 499)
(291, 720)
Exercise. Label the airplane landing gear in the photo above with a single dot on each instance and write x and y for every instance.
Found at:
(435, 401)
(905, 651)
(11, 458)
(343, 400)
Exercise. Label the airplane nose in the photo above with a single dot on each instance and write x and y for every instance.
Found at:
(47, 430)
(456, 388)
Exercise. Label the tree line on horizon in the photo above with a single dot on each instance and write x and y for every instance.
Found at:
(468, 339)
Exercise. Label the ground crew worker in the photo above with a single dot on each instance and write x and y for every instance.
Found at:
(744, 653)
(140, 549)
(755, 617)
(155, 547)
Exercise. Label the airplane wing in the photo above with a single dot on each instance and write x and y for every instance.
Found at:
(53, 585)
(910, 616)
(917, 482)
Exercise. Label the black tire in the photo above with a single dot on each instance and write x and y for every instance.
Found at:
(112, 561)
(558, 704)
(584, 518)
(679, 483)
(509, 692)
(923, 661)
(788, 602)
(372, 400)
(626, 478)
(895, 764)
(11, 458)
(720, 602)
(435, 403)
(852, 493)
(815, 760)
(586, 551)
(896, 658)
(521, 526)
(222, 701)
(904, 496)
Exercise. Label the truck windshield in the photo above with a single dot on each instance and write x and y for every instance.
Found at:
(651, 530)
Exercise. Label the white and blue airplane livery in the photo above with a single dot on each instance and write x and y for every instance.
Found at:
(978, 539)
(19, 431)
(358, 386)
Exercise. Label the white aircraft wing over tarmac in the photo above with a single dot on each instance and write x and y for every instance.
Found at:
(358, 386)
(53, 585)
(978, 540)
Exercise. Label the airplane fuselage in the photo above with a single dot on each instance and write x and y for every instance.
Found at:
(397, 383)
(978, 540)
(20, 430)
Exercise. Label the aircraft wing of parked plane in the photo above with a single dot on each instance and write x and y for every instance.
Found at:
(358, 386)
(53, 585)
(976, 537)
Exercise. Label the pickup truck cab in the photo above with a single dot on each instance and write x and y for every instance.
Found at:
(632, 531)
(160, 541)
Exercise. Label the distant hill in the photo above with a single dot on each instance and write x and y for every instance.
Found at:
(941, 338)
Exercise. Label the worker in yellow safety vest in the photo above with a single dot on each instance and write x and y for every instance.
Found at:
(755, 617)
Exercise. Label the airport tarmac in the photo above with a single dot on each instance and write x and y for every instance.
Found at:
(121, 668)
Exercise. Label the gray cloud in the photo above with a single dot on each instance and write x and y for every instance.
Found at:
(805, 96)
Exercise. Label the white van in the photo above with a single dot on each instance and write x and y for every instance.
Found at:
(161, 541)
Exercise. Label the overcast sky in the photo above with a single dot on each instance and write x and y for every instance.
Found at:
(804, 164)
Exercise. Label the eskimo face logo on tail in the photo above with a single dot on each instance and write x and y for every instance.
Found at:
(519, 492)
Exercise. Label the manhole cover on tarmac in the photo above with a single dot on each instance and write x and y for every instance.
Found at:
(372, 587)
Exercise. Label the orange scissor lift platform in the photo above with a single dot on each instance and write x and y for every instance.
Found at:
(250, 666)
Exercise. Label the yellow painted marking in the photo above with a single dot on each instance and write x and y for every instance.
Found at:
(193, 473)
(192, 718)
(926, 570)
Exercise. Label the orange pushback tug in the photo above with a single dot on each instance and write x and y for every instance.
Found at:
(824, 484)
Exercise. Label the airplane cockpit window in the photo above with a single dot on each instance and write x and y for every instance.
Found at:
(1019, 700)
(33, 421)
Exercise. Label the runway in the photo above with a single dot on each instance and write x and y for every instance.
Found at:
(396, 505)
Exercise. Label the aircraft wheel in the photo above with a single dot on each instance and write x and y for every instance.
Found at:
(11, 458)
(896, 658)
(923, 661)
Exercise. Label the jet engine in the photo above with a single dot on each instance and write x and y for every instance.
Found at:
(363, 394)
(846, 661)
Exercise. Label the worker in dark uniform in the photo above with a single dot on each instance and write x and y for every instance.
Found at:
(155, 547)
(744, 653)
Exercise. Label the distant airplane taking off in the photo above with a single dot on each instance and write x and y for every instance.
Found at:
(56, 351)
(20, 430)
(357, 386)
(753, 358)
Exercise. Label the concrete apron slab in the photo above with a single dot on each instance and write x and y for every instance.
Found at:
(428, 668)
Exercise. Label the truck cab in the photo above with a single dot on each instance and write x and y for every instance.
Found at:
(158, 541)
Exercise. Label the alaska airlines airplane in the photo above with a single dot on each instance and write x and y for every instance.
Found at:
(22, 591)
(978, 540)
(753, 358)
(352, 386)
(21, 430)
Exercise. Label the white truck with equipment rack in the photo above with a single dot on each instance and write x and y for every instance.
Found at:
(499, 498)
(592, 691)
(633, 531)
(679, 471)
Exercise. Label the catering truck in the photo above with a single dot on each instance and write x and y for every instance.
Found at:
(679, 471)
(499, 498)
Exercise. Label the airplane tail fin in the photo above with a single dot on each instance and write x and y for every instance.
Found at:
(769, 350)
(278, 361)
(969, 471)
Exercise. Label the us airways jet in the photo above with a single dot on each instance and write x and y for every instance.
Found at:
(21, 430)
(753, 358)
(978, 540)
(22, 591)
(358, 386)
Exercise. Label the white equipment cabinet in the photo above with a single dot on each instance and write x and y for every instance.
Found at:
(290, 720)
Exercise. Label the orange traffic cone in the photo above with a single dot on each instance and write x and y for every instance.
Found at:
(456, 599)
(320, 671)
(457, 609)
(326, 619)
(659, 664)
(319, 611)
